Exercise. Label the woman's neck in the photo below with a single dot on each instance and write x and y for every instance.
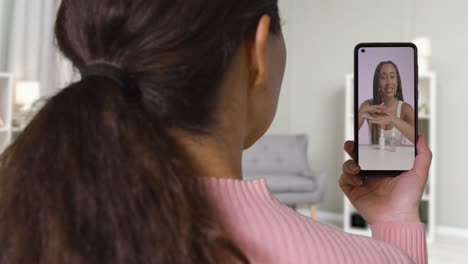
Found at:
(210, 157)
(390, 101)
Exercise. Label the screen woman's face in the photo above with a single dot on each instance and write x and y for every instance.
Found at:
(388, 81)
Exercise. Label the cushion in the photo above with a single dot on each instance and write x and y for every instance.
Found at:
(277, 155)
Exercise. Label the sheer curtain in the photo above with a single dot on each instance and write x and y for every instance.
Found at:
(32, 54)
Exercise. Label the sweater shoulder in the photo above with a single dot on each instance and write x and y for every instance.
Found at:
(269, 232)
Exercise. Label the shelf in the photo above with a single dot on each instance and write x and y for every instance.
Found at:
(4, 129)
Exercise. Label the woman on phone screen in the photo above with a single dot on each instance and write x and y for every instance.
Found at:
(387, 111)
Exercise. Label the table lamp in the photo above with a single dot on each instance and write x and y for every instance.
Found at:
(26, 93)
(424, 53)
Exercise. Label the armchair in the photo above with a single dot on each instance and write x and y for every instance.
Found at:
(282, 161)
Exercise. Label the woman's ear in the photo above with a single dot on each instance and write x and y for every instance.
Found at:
(257, 53)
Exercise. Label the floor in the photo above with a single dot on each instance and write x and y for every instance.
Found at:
(445, 250)
(448, 250)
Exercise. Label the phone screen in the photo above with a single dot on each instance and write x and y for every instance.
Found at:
(385, 106)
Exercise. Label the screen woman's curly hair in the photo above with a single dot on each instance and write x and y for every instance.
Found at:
(377, 100)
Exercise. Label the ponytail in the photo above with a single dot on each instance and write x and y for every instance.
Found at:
(96, 176)
(96, 179)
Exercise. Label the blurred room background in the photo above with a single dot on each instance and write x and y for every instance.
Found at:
(320, 37)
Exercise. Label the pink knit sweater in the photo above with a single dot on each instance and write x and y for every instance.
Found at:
(269, 232)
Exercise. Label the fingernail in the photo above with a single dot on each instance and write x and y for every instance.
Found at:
(356, 169)
(358, 181)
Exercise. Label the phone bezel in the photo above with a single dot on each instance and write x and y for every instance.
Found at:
(357, 48)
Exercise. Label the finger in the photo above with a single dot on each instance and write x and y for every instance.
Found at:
(423, 159)
(383, 109)
(351, 167)
(380, 106)
(349, 148)
(386, 111)
(348, 181)
(375, 111)
(378, 115)
(373, 118)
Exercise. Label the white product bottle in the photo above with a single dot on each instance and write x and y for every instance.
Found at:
(393, 141)
(381, 140)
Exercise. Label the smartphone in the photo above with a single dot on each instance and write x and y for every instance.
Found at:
(385, 107)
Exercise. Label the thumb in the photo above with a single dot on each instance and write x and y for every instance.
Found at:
(423, 158)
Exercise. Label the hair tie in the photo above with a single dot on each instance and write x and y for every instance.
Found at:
(127, 83)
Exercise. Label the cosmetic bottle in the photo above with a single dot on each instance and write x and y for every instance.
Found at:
(381, 140)
(393, 141)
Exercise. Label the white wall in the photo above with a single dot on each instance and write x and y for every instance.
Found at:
(321, 36)
(446, 23)
(5, 24)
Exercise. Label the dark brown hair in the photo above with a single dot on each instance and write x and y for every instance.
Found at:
(96, 179)
(377, 100)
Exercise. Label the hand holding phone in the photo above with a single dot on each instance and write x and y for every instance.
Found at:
(387, 199)
(385, 107)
